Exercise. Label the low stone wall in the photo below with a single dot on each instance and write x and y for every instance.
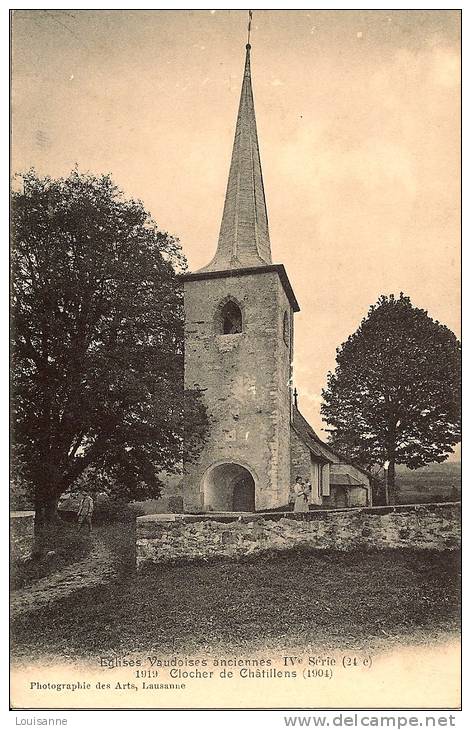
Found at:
(163, 538)
(21, 534)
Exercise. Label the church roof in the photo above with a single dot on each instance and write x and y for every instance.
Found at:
(310, 438)
(317, 446)
(244, 240)
(342, 479)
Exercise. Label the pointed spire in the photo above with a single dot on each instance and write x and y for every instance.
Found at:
(244, 239)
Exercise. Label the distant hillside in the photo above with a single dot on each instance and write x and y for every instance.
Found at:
(431, 483)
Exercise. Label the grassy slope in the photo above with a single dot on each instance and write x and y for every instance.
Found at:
(323, 599)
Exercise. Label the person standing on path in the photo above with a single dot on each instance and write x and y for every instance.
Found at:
(85, 512)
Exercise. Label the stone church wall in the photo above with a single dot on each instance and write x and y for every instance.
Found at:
(244, 378)
(162, 538)
(300, 458)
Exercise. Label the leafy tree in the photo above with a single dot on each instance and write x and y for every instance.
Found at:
(97, 341)
(395, 393)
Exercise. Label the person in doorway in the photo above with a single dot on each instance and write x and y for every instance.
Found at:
(301, 495)
(85, 512)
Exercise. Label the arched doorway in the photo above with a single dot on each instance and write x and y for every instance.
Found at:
(229, 487)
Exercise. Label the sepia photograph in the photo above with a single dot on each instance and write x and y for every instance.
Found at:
(235, 370)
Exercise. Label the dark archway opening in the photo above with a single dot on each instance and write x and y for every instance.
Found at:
(229, 488)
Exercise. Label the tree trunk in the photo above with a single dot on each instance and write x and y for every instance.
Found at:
(383, 497)
(50, 511)
(391, 481)
(46, 509)
(45, 516)
(391, 458)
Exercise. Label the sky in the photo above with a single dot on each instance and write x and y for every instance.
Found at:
(358, 116)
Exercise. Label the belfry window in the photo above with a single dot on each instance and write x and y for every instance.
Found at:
(231, 319)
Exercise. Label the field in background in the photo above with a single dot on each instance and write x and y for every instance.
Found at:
(431, 483)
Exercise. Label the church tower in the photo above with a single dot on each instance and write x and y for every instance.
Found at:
(239, 344)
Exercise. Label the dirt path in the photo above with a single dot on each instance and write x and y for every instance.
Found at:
(99, 566)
